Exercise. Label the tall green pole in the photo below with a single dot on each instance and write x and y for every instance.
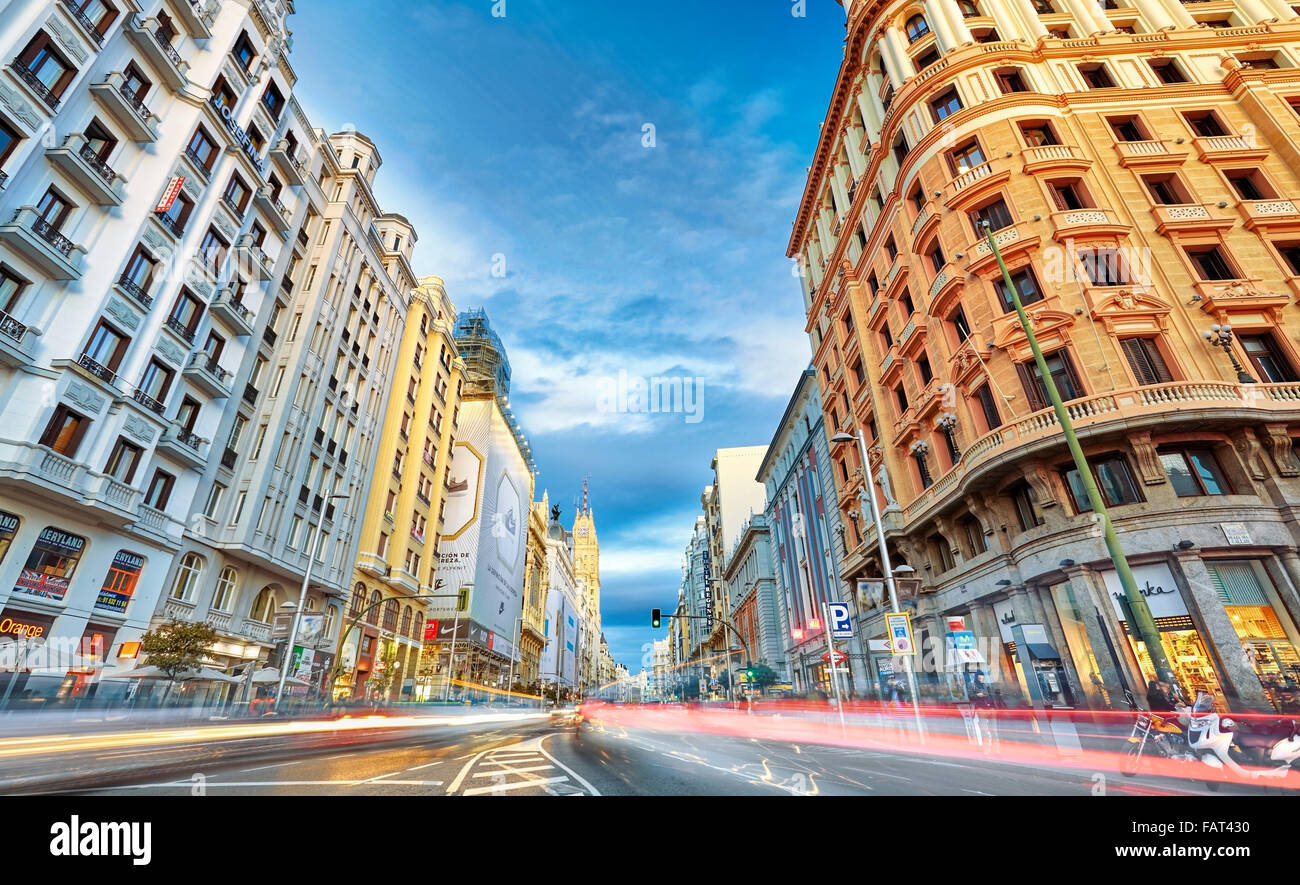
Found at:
(1137, 603)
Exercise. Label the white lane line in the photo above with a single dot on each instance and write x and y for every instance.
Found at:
(513, 771)
(579, 778)
(212, 784)
(877, 773)
(276, 765)
(379, 777)
(429, 765)
(976, 792)
(339, 756)
(460, 777)
(521, 785)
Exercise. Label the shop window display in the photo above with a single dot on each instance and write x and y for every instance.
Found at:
(1269, 649)
(50, 565)
(8, 528)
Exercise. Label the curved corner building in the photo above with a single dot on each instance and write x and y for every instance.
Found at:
(1139, 164)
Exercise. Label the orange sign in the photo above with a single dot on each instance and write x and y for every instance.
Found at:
(9, 625)
(129, 650)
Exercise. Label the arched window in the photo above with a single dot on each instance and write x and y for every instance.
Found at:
(263, 606)
(227, 590)
(119, 584)
(969, 8)
(390, 614)
(406, 622)
(358, 598)
(372, 616)
(917, 27)
(187, 577)
(417, 629)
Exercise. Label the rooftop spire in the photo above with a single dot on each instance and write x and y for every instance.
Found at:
(586, 506)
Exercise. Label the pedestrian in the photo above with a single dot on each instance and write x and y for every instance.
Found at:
(986, 705)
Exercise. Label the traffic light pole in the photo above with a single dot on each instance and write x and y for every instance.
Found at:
(1137, 603)
(749, 660)
(337, 669)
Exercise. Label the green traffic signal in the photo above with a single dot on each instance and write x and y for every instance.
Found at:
(655, 618)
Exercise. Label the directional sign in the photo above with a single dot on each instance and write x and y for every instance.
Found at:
(899, 627)
(841, 625)
(838, 657)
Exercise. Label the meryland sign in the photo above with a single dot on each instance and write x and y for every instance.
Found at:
(245, 143)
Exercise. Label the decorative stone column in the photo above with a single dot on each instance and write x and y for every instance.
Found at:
(1033, 26)
(895, 49)
(1117, 669)
(1240, 683)
(1288, 558)
(1255, 11)
(936, 15)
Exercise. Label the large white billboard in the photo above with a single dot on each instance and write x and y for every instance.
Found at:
(486, 525)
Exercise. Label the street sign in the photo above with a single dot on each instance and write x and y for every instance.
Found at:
(841, 625)
(839, 669)
(837, 656)
(899, 627)
(878, 645)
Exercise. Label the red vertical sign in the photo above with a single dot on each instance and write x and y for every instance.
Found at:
(170, 195)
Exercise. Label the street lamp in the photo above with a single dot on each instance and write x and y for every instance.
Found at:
(302, 601)
(867, 496)
(1221, 336)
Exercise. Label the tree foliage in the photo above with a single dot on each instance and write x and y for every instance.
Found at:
(177, 646)
(764, 675)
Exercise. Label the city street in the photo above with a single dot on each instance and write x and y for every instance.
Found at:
(602, 758)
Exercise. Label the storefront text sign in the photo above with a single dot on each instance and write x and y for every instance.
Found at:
(1157, 586)
(10, 627)
(245, 143)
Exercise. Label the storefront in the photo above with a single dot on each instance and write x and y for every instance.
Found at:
(22, 652)
(962, 659)
(1268, 636)
(51, 564)
(119, 584)
(1072, 613)
(1186, 649)
(8, 528)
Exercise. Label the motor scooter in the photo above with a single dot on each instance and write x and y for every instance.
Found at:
(1268, 748)
(1162, 733)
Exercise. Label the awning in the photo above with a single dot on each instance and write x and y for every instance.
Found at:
(1042, 651)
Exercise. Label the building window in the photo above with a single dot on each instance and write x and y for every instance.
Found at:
(1061, 368)
(202, 149)
(186, 581)
(53, 210)
(1194, 472)
(1011, 80)
(900, 396)
(1205, 124)
(1167, 70)
(1069, 195)
(966, 158)
(923, 367)
(1038, 133)
(1114, 480)
(1128, 129)
(1267, 358)
(119, 584)
(160, 490)
(995, 214)
(49, 567)
(1096, 76)
(916, 27)
(1166, 189)
(244, 52)
(273, 100)
(9, 139)
(1250, 184)
(988, 407)
(1146, 361)
(946, 104)
(959, 323)
(1026, 285)
(975, 536)
(213, 249)
(1211, 263)
(156, 382)
(1026, 508)
(47, 66)
(123, 460)
(222, 95)
(64, 431)
(263, 609)
(237, 193)
(177, 215)
(138, 274)
(1106, 267)
(223, 600)
(214, 500)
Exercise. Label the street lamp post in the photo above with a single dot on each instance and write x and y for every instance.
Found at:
(302, 601)
(1221, 337)
(867, 497)
(514, 646)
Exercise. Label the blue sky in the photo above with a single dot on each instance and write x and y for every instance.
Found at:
(521, 142)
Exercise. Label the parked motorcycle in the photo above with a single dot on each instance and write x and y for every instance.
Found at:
(1164, 736)
(1248, 749)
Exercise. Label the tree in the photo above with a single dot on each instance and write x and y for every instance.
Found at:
(763, 675)
(177, 646)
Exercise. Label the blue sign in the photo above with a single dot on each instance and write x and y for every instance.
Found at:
(841, 625)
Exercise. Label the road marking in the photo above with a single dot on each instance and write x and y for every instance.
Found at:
(429, 765)
(976, 792)
(210, 784)
(379, 777)
(339, 756)
(276, 765)
(478, 791)
(513, 771)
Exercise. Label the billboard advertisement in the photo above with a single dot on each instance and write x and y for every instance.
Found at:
(485, 529)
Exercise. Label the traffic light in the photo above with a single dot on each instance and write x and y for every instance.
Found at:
(462, 599)
(749, 675)
(655, 618)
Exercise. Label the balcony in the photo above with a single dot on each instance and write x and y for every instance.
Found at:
(232, 312)
(99, 372)
(204, 372)
(1087, 222)
(271, 208)
(401, 579)
(37, 470)
(1190, 217)
(1139, 154)
(139, 123)
(57, 256)
(33, 85)
(148, 401)
(256, 630)
(1053, 158)
(162, 56)
(172, 226)
(83, 21)
(92, 176)
(1187, 404)
(180, 445)
(372, 565)
(14, 351)
(179, 329)
(1263, 214)
(290, 167)
(196, 21)
(1229, 147)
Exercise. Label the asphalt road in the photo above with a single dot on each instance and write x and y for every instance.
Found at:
(544, 759)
